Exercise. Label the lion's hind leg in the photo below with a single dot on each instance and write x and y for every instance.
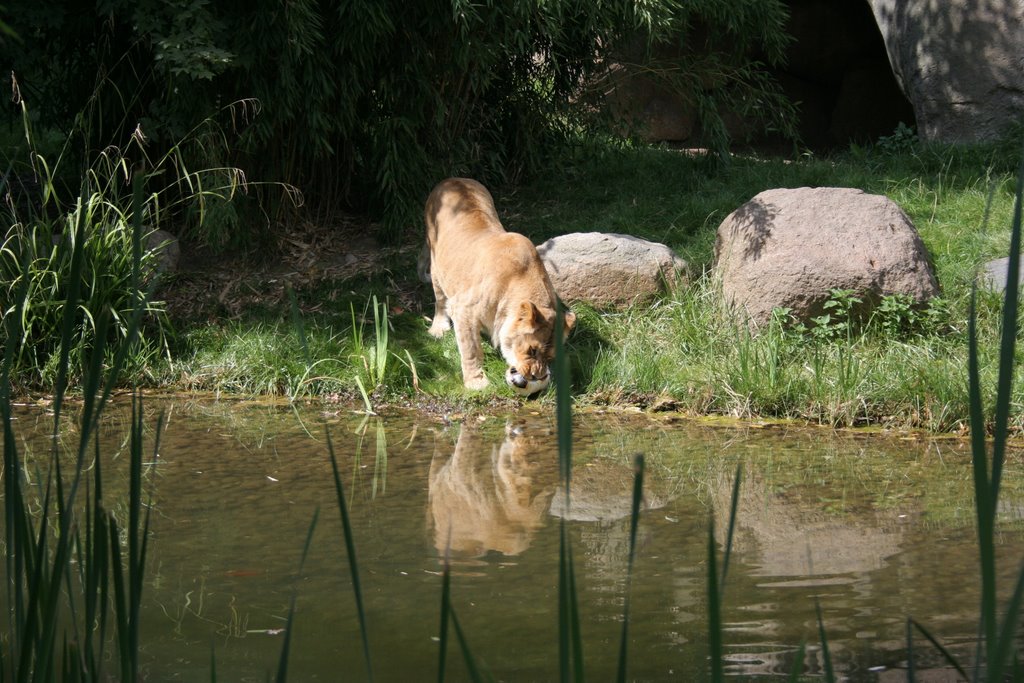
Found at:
(441, 322)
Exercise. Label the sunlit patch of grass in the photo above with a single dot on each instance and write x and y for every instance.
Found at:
(897, 371)
(693, 351)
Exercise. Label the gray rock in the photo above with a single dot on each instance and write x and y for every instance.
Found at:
(959, 62)
(994, 274)
(608, 269)
(165, 249)
(788, 248)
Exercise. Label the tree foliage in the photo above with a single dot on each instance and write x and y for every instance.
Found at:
(367, 104)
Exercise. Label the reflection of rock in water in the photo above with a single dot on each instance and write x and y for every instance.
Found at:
(488, 497)
(602, 491)
(787, 539)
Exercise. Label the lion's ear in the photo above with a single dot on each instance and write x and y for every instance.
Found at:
(570, 322)
(528, 313)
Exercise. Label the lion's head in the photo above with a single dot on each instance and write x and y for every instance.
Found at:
(528, 346)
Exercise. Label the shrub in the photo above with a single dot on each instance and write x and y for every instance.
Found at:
(85, 247)
(369, 104)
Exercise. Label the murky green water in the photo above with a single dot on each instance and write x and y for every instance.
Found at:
(876, 528)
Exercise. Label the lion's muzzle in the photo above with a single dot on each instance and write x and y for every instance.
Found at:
(526, 385)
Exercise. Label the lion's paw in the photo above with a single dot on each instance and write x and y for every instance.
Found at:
(439, 327)
(477, 383)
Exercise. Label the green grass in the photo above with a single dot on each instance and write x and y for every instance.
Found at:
(67, 575)
(905, 369)
(685, 348)
(71, 568)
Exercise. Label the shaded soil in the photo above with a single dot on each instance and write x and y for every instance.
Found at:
(306, 257)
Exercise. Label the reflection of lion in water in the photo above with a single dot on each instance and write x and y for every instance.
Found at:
(486, 497)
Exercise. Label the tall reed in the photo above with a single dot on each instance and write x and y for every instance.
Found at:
(69, 255)
(57, 623)
(570, 639)
(634, 519)
(997, 656)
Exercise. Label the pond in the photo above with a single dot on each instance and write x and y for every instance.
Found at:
(874, 527)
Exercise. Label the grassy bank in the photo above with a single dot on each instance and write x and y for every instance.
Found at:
(74, 598)
(904, 368)
(360, 313)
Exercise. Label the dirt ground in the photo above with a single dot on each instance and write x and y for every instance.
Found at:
(209, 286)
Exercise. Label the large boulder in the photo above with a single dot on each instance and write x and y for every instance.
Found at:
(606, 269)
(959, 62)
(788, 248)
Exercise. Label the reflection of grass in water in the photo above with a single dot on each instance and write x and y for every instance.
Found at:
(193, 604)
(380, 459)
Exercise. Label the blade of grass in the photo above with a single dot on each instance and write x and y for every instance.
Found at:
(366, 397)
(563, 403)
(120, 595)
(911, 676)
(986, 488)
(733, 506)
(716, 583)
(1007, 643)
(569, 636)
(714, 597)
(830, 674)
(1007, 344)
(574, 618)
(282, 664)
(17, 525)
(982, 492)
(798, 663)
(445, 606)
(70, 311)
(350, 549)
(638, 487)
(467, 655)
(946, 654)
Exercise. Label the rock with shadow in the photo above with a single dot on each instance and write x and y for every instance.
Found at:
(489, 495)
(788, 248)
(606, 269)
(959, 62)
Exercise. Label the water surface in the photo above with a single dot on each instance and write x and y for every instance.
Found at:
(876, 528)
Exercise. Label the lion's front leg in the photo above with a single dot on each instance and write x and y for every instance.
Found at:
(467, 336)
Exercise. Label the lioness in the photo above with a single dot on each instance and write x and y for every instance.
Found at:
(488, 280)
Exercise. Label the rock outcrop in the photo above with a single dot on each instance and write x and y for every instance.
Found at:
(959, 62)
